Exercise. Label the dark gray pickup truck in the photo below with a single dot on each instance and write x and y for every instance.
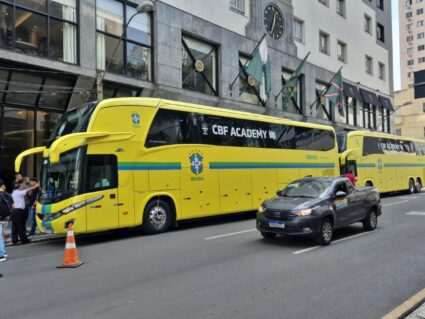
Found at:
(315, 206)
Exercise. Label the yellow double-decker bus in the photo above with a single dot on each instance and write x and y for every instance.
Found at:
(388, 162)
(142, 161)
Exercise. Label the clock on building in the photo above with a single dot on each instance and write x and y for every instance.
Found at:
(273, 21)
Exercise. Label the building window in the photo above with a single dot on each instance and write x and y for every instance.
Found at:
(238, 5)
(409, 26)
(409, 14)
(420, 23)
(295, 104)
(421, 47)
(423, 107)
(381, 71)
(298, 30)
(409, 38)
(367, 24)
(419, 11)
(408, 2)
(199, 66)
(380, 33)
(410, 62)
(409, 50)
(409, 74)
(342, 51)
(247, 93)
(398, 131)
(324, 42)
(421, 35)
(369, 65)
(132, 55)
(324, 2)
(340, 7)
(421, 60)
(351, 105)
(380, 4)
(323, 106)
(51, 32)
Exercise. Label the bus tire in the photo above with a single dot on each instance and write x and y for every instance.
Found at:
(368, 183)
(157, 217)
(418, 185)
(412, 187)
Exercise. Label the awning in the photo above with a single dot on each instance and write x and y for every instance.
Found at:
(351, 90)
(369, 97)
(386, 103)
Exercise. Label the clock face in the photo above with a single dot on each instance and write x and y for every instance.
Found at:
(273, 21)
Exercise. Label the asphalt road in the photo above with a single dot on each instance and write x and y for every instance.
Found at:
(222, 268)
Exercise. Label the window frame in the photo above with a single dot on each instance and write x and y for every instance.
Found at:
(343, 45)
(87, 176)
(235, 8)
(325, 36)
(368, 59)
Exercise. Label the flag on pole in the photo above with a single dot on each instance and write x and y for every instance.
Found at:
(335, 93)
(260, 70)
(291, 83)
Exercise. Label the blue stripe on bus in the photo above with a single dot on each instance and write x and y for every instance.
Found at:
(404, 165)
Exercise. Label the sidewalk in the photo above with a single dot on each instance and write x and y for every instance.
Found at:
(419, 313)
(38, 237)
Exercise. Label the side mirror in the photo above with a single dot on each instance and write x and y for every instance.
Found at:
(340, 194)
(278, 193)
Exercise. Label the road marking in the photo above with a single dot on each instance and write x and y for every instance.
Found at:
(406, 307)
(333, 242)
(416, 213)
(231, 234)
(407, 197)
(403, 201)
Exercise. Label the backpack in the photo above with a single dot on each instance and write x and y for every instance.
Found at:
(5, 206)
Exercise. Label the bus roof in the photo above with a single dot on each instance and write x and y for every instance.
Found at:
(189, 107)
(383, 135)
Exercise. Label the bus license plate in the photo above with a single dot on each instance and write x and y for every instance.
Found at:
(277, 225)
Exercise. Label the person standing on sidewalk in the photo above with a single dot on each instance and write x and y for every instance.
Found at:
(18, 179)
(6, 205)
(32, 197)
(19, 214)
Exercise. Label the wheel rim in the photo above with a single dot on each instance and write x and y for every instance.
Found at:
(373, 220)
(327, 231)
(157, 217)
(418, 185)
(412, 187)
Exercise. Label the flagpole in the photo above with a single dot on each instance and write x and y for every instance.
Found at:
(246, 62)
(327, 87)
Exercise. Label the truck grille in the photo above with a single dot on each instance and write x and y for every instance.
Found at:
(286, 215)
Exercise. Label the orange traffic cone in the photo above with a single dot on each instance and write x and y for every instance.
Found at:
(70, 255)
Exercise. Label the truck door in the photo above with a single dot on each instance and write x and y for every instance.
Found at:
(101, 187)
(342, 209)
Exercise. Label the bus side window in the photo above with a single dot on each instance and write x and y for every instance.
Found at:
(101, 172)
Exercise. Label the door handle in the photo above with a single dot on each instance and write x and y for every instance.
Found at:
(187, 198)
(225, 195)
(112, 196)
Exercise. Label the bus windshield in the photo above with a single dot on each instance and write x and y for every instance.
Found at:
(61, 180)
(73, 121)
(342, 142)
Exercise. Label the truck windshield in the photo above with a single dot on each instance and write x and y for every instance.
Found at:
(342, 142)
(308, 189)
(73, 121)
(61, 180)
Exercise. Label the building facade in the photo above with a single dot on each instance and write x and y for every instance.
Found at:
(412, 39)
(52, 52)
(409, 119)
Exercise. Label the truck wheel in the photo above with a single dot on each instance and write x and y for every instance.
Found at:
(326, 232)
(371, 221)
(418, 185)
(412, 187)
(157, 217)
(268, 235)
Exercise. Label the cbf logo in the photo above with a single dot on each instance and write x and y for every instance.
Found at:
(135, 118)
(196, 165)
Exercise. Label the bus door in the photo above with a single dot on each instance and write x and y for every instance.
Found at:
(101, 185)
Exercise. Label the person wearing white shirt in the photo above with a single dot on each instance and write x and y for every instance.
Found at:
(19, 214)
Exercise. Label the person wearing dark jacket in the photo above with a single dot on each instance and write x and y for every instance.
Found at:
(6, 205)
(32, 197)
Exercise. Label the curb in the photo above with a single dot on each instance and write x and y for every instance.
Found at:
(40, 239)
(407, 307)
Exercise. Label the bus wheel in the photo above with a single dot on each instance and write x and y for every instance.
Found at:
(418, 185)
(369, 183)
(157, 217)
(412, 187)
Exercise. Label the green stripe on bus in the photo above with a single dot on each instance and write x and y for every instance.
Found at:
(366, 165)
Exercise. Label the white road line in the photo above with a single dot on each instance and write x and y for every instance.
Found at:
(231, 234)
(407, 197)
(416, 213)
(333, 242)
(403, 201)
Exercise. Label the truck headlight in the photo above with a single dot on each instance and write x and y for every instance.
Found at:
(261, 209)
(304, 212)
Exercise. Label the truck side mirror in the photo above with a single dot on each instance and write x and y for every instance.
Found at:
(340, 194)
